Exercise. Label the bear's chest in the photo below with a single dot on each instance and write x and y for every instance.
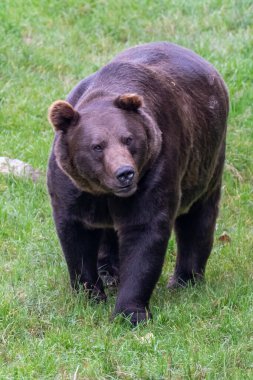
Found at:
(93, 212)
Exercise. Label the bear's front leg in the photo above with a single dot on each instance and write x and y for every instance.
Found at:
(80, 247)
(142, 251)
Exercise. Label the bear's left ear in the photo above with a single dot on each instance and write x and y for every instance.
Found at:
(61, 114)
(129, 102)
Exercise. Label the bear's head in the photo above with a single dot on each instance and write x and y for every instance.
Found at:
(106, 143)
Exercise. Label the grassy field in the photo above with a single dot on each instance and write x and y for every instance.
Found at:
(47, 332)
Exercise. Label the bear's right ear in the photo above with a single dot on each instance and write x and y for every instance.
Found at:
(61, 114)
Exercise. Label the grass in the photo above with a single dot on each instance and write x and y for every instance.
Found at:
(46, 332)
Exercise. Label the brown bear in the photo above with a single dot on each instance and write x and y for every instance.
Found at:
(139, 150)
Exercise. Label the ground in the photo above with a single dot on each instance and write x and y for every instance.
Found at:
(46, 331)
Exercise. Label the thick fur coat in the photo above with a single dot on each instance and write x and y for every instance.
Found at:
(139, 150)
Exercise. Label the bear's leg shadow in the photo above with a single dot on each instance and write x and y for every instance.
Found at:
(80, 247)
(194, 235)
(108, 258)
(142, 251)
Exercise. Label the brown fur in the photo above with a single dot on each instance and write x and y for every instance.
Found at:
(130, 102)
(139, 150)
(61, 114)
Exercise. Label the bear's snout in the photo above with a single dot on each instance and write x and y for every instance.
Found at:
(125, 175)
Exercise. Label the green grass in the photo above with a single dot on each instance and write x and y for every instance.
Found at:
(47, 332)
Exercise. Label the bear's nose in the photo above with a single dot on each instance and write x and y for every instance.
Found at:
(125, 175)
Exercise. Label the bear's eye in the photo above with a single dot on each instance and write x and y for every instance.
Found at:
(128, 140)
(97, 148)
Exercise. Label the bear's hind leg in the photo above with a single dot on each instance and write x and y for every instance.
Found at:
(108, 258)
(194, 235)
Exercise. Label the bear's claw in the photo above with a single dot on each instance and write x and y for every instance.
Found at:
(135, 316)
(177, 281)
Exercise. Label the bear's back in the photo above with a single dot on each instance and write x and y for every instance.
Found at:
(167, 58)
(164, 69)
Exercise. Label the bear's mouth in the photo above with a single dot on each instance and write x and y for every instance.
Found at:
(125, 191)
